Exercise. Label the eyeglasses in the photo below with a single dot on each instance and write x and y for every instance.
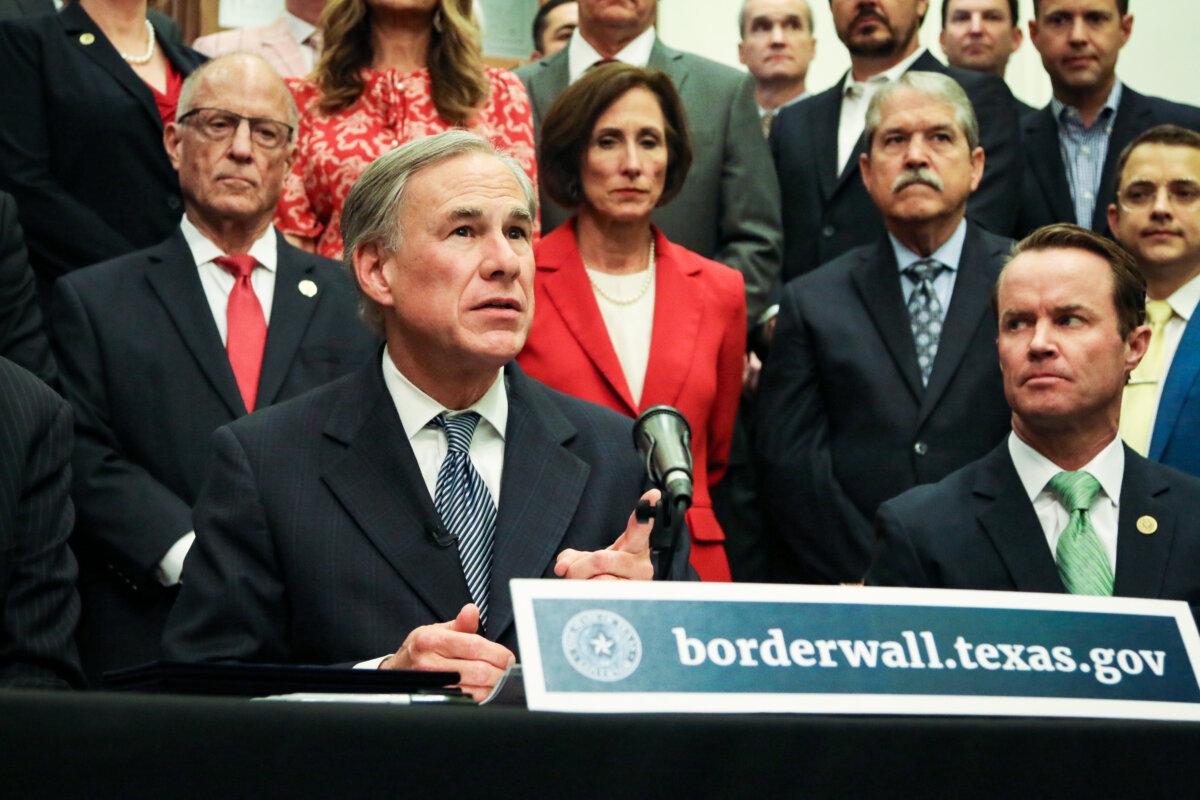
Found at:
(218, 125)
(1143, 194)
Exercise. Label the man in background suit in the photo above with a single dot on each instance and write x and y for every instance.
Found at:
(1071, 146)
(882, 373)
(728, 209)
(1061, 505)
(776, 45)
(1157, 219)
(164, 26)
(22, 338)
(982, 35)
(817, 143)
(38, 603)
(393, 506)
(161, 347)
(291, 44)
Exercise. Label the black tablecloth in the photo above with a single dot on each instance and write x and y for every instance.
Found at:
(130, 746)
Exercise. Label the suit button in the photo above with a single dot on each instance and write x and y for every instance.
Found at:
(173, 202)
(920, 448)
(828, 231)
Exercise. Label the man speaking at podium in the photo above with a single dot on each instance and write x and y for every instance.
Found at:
(1062, 505)
(377, 521)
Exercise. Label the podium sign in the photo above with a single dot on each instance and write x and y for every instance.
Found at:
(692, 647)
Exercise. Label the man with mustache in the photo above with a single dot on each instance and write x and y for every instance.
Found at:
(1157, 218)
(1060, 505)
(882, 373)
(1071, 146)
(816, 144)
(159, 348)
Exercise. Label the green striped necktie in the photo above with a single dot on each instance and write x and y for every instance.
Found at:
(1082, 562)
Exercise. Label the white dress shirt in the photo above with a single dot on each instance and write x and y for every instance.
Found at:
(1183, 303)
(302, 32)
(217, 284)
(1035, 471)
(629, 325)
(856, 96)
(581, 55)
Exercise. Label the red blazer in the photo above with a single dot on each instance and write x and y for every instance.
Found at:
(696, 349)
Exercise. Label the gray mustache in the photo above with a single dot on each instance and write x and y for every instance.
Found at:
(912, 176)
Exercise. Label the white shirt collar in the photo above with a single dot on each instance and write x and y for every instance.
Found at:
(298, 28)
(265, 248)
(416, 408)
(887, 75)
(1035, 470)
(1185, 299)
(949, 254)
(581, 55)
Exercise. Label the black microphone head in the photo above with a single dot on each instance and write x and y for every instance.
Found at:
(664, 439)
(657, 421)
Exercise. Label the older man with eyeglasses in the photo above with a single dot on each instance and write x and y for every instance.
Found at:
(161, 347)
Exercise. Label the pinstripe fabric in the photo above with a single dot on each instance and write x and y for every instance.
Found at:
(38, 604)
(466, 508)
(1082, 563)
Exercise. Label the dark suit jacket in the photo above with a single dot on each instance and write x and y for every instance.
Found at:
(314, 540)
(843, 420)
(697, 346)
(38, 603)
(164, 27)
(977, 530)
(143, 365)
(22, 338)
(728, 209)
(1045, 193)
(81, 144)
(1175, 440)
(826, 214)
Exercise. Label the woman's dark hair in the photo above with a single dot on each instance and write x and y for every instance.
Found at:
(567, 128)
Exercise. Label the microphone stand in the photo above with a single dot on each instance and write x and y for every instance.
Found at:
(664, 536)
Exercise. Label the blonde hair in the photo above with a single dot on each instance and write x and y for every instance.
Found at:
(456, 69)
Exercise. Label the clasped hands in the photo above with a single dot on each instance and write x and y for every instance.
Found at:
(456, 646)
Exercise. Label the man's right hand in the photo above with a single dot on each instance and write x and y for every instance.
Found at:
(455, 646)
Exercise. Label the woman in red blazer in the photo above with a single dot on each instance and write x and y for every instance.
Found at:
(622, 316)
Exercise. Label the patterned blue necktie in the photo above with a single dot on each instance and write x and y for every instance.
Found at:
(925, 312)
(466, 507)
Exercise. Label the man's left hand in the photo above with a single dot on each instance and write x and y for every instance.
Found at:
(627, 559)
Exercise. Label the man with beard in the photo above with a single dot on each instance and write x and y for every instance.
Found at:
(883, 373)
(817, 144)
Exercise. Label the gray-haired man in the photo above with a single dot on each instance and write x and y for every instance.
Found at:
(883, 371)
(393, 506)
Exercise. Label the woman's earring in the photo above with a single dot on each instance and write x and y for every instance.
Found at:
(437, 20)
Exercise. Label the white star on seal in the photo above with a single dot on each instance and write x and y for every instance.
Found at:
(601, 645)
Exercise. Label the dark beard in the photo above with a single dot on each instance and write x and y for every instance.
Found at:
(886, 47)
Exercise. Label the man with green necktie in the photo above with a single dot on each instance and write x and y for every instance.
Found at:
(1063, 505)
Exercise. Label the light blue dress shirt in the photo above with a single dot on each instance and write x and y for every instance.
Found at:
(1084, 150)
(950, 253)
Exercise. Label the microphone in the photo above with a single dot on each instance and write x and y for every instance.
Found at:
(663, 438)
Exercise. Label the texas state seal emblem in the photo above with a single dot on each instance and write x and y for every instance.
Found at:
(601, 645)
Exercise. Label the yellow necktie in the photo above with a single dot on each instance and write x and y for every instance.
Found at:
(765, 119)
(1141, 393)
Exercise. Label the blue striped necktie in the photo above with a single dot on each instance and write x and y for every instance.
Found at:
(466, 507)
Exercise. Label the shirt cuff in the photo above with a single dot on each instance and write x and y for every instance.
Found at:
(372, 664)
(171, 567)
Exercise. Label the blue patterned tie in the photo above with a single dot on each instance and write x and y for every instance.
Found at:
(466, 507)
(925, 312)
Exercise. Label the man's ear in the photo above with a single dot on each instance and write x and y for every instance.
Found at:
(171, 143)
(370, 270)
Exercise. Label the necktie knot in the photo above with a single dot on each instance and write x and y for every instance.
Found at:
(1076, 490)
(239, 266)
(927, 269)
(460, 428)
(1159, 312)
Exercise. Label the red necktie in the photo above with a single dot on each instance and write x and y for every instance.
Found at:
(246, 334)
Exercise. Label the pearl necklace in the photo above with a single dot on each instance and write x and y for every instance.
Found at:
(144, 57)
(628, 301)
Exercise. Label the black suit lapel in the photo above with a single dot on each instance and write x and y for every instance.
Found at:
(1142, 558)
(968, 305)
(79, 28)
(379, 484)
(1133, 117)
(539, 493)
(1011, 523)
(174, 278)
(877, 278)
(1044, 160)
(35, 7)
(291, 310)
(827, 110)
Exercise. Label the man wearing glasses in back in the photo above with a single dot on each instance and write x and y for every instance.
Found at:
(161, 347)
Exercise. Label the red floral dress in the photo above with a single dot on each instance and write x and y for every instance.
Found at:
(332, 150)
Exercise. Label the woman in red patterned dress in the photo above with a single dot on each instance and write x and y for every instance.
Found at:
(391, 71)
